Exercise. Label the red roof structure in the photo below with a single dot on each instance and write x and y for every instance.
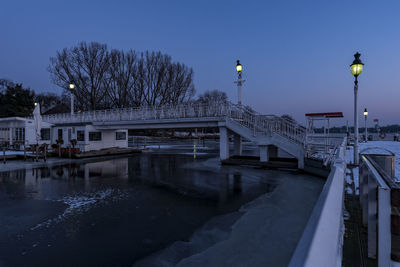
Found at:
(326, 115)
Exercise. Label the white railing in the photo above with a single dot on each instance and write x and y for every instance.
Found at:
(190, 110)
(260, 124)
(375, 199)
(322, 239)
(267, 124)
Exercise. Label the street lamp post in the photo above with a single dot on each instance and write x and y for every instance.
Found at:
(71, 88)
(356, 68)
(365, 117)
(239, 81)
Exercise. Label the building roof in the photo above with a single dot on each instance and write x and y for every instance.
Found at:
(15, 119)
(59, 108)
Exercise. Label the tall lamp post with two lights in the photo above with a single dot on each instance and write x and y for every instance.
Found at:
(365, 117)
(71, 88)
(356, 68)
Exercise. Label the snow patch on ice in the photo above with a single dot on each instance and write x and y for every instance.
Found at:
(82, 203)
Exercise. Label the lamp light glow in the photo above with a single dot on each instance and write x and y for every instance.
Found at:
(239, 66)
(71, 86)
(365, 112)
(357, 66)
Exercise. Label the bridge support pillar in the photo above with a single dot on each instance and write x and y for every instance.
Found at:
(223, 143)
(264, 157)
(237, 145)
(272, 151)
(267, 152)
(300, 163)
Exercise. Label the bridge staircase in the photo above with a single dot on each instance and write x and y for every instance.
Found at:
(267, 130)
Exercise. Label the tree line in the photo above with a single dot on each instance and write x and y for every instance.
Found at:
(393, 128)
(16, 100)
(105, 78)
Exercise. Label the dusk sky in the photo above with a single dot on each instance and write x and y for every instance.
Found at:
(296, 55)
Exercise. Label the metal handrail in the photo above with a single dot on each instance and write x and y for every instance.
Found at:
(375, 200)
(260, 124)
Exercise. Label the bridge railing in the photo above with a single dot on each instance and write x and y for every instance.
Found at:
(267, 124)
(187, 110)
(260, 124)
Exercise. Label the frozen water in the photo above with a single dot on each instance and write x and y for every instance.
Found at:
(79, 204)
(264, 232)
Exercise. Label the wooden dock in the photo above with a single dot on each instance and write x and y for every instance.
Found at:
(106, 152)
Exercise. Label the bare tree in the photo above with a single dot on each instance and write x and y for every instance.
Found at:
(119, 79)
(84, 65)
(212, 96)
(159, 81)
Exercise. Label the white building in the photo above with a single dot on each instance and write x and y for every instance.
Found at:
(88, 137)
(15, 131)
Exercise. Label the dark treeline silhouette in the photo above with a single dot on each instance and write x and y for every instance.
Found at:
(17, 101)
(394, 128)
(107, 78)
(212, 96)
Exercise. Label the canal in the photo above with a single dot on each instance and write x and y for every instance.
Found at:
(140, 209)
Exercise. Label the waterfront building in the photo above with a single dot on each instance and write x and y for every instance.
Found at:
(17, 131)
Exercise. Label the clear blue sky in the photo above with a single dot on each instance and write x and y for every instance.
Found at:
(295, 54)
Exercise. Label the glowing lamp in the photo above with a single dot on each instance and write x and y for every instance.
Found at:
(365, 112)
(239, 66)
(71, 86)
(357, 66)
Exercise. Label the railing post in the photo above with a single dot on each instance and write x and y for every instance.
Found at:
(372, 220)
(384, 231)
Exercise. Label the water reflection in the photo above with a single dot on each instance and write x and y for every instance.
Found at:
(132, 206)
(148, 169)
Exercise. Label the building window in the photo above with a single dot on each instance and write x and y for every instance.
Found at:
(94, 136)
(45, 134)
(120, 135)
(19, 134)
(80, 135)
(60, 134)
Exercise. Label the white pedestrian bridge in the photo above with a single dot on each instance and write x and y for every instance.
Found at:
(269, 132)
